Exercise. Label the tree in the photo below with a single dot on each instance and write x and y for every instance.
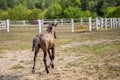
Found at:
(112, 12)
(103, 4)
(3, 4)
(92, 4)
(108, 11)
(118, 2)
(85, 5)
(34, 14)
(43, 4)
(116, 13)
(57, 8)
(86, 13)
(54, 11)
(30, 4)
(67, 3)
(4, 15)
(72, 12)
(42, 14)
(18, 12)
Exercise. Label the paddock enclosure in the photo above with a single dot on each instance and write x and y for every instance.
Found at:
(65, 24)
(84, 50)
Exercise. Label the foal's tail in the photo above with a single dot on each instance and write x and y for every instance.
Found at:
(33, 44)
(36, 42)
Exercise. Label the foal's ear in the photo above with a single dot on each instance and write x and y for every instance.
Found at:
(52, 24)
(55, 24)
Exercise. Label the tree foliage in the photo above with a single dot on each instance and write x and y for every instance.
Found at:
(17, 13)
(41, 9)
(34, 14)
(113, 12)
(54, 11)
(72, 12)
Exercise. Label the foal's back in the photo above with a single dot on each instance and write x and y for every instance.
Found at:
(46, 41)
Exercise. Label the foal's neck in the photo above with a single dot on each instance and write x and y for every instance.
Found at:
(52, 33)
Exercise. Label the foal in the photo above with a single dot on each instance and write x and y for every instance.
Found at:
(47, 43)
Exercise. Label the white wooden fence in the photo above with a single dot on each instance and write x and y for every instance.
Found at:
(4, 25)
(66, 24)
(103, 23)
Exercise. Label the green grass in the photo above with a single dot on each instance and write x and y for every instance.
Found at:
(96, 50)
(21, 39)
(17, 67)
(19, 46)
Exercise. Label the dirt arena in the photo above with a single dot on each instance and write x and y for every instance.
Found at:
(78, 56)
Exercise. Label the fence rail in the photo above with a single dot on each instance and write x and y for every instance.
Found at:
(65, 23)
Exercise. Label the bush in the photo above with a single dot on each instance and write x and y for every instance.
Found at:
(86, 13)
(42, 14)
(116, 12)
(72, 12)
(18, 12)
(112, 12)
(54, 11)
(94, 15)
(4, 15)
(108, 11)
(34, 14)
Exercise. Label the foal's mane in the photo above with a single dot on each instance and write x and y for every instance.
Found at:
(50, 27)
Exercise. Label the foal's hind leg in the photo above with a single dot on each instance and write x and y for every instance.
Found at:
(49, 54)
(44, 59)
(35, 56)
(52, 57)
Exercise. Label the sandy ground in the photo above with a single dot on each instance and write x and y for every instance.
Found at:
(17, 65)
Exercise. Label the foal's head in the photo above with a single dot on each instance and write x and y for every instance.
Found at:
(52, 29)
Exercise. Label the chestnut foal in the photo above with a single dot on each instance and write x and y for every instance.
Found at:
(46, 42)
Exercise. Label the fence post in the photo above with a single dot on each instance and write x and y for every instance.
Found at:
(39, 25)
(42, 22)
(101, 22)
(23, 22)
(62, 22)
(111, 23)
(81, 21)
(118, 22)
(1, 25)
(105, 23)
(4, 25)
(8, 25)
(96, 23)
(90, 24)
(72, 22)
(115, 22)
(55, 20)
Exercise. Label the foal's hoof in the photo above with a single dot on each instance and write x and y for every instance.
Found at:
(33, 71)
(47, 72)
(52, 65)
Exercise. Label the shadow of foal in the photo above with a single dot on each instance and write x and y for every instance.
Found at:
(46, 42)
